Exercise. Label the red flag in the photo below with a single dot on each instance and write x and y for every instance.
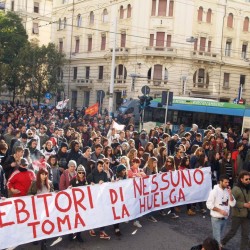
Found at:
(92, 110)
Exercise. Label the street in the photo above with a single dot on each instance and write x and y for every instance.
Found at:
(167, 233)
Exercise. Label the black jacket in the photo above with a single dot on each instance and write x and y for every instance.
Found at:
(97, 176)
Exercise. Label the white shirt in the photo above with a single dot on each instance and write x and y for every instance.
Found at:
(219, 198)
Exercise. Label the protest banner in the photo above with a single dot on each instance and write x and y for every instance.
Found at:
(92, 110)
(118, 127)
(31, 218)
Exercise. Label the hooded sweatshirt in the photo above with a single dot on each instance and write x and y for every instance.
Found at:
(219, 198)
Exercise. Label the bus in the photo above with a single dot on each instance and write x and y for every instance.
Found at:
(203, 112)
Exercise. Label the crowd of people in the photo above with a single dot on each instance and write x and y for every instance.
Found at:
(48, 150)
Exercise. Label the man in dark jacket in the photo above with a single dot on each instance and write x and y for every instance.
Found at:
(241, 211)
(74, 153)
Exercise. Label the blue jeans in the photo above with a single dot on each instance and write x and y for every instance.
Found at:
(218, 227)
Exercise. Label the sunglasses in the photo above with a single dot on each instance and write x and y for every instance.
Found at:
(248, 179)
(80, 172)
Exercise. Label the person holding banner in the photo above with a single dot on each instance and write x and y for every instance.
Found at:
(98, 176)
(77, 181)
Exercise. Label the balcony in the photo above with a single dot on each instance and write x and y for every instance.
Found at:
(157, 83)
(159, 51)
(204, 56)
(82, 82)
(120, 52)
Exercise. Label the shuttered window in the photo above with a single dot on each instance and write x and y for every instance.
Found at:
(153, 8)
(209, 16)
(171, 8)
(103, 42)
(209, 46)
(89, 43)
(77, 45)
(200, 13)
(160, 39)
(151, 40)
(246, 24)
(123, 40)
(162, 8)
(129, 10)
(169, 37)
(202, 43)
(157, 72)
(230, 20)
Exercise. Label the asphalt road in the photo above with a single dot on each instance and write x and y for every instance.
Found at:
(167, 233)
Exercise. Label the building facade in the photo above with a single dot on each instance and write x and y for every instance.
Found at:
(194, 48)
(36, 16)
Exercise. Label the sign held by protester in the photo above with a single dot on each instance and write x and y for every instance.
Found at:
(32, 218)
(62, 104)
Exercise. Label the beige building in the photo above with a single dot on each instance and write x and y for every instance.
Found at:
(193, 48)
(36, 16)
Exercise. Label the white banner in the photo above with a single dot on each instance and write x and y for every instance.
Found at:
(32, 218)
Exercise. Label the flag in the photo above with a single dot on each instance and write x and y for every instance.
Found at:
(92, 110)
(118, 126)
(62, 104)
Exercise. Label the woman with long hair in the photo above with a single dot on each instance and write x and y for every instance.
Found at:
(161, 157)
(132, 154)
(41, 185)
(169, 166)
(53, 162)
(184, 165)
(125, 161)
(151, 169)
(149, 148)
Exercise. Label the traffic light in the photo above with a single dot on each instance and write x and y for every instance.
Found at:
(148, 100)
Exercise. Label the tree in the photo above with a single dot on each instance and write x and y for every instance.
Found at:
(13, 38)
(40, 67)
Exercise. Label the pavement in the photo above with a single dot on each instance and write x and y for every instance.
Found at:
(167, 233)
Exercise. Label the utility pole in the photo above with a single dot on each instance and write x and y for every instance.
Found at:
(112, 78)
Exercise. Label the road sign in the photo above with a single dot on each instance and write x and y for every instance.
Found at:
(100, 95)
(48, 96)
(145, 90)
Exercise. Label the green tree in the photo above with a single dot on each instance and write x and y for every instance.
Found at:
(13, 38)
(40, 68)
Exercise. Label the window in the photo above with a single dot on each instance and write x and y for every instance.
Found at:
(79, 20)
(226, 80)
(12, 5)
(36, 7)
(157, 72)
(151, 40)
(105, 16)
(100, 75)
(209, 46)
(195, 44)
(121, 12)
(169, 38)
(202, 43)
(200, 13)
(129, 10)
(77, 45)
(246, 24)
(201, 78)
(122, 72)
(160, 36)
(123, 40)
(162, 8)
(103, 42)
(87, 73)
(35, 29)
(86, 98)
(60, 46)
(59, 23)
(91, 18)
(209, 16)
(171, 8)
(230, 20)
(153, 11)
(242, 79)
(64, 22)
(74, 73)
(228, 48)
(89, 43)
(244, 51)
